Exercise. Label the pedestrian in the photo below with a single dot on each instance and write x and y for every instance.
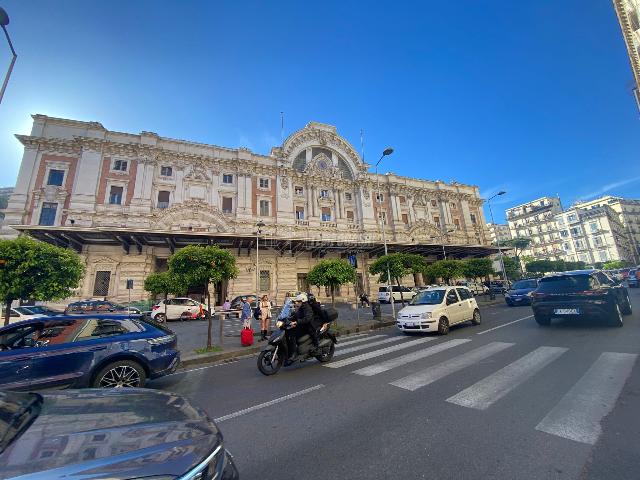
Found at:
(265, 316)
(364, 300)
(245, 316)
(226, 305)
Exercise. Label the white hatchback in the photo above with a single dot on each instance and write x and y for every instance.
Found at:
(436, 309)
(175, 307)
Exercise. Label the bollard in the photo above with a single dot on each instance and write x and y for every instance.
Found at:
(375, 309)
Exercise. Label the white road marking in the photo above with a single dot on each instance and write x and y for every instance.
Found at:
(504, 325)
(358, 340)
(377, 353)
(410, 357)
(368, 345)
(180, 372)
(425, 377)
(578, 414)
(267, 404)
(489, 390)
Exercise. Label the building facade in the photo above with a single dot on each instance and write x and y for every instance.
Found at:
(127, 201)
(535, 220)
(628, 12)
(498, 233)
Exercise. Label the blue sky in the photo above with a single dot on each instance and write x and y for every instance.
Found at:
(530, 97)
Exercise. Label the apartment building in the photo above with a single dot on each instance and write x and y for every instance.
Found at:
(498, 232)
(536, 220)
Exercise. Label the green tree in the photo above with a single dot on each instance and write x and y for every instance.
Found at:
(202, 265)
(332, 274)
(446, 269)
(541, 266)
(615, 265)
(30, 269)
(164, 283)
(477, 268)
(512, 267)
(518, 244)
(397, 265)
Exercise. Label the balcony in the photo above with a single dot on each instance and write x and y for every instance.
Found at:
(328, 224)
(302, 223)
(163, 205)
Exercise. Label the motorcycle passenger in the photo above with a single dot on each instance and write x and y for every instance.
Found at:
(303, 318)
(318, 318)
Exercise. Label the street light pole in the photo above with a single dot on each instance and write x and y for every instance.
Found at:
(387, 151)
(259, 225)
(504, 271)
(4, 21)
(442, 235)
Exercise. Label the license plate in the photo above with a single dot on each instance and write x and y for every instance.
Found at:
(408, 324)
(566, 311)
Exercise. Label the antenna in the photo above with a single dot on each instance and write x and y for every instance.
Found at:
(282, 129)
(362, 143)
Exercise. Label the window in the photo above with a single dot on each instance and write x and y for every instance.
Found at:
(227, 205)
(597, 241)
(299, 213)
(564, 233)
(579, 244)
(101, 284)
(473, 219)
(561, 221)
(163, 199)
(55, 177)
(227, 178)
(265, 281)
(48, 213)
(383, 217)
(350, 216)
(593, 226)
(454, 206)
(452, 297)
(166, 171)
(436, 220)
(434, 203)
(324, 193)
(402, 199)
(326, 214)
(464, 293)
(101, 327)
(264, 183)
(299, 191)
(603, 255)
(115, 195)
(456, 223)
(303, 284)
(380, 197)
(566, 247)
(582, 257)
(576, 231)
(120, 165)
(571, 217)
(348, 197)
(264, 208)
(405, 219)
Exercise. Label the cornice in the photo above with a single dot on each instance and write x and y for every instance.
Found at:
(627, 33)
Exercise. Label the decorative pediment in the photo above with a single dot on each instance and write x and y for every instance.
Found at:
(424, 230)
(198, 172)
(192, 213)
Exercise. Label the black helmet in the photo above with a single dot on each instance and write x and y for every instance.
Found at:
(311, 297)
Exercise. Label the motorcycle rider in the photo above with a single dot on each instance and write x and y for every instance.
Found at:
(318, 318)
(303, 319)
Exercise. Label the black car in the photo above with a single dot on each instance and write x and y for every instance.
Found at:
(109, 434)
(236, 303)
(520, 292)
(580, 293)
(84, 307)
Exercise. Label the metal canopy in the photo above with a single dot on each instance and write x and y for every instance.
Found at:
(132, 241)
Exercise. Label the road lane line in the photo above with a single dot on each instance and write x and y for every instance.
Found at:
(425, 377)
(377, 353)
(504, 325)
(578, 414)
(368, 345)
(410, 357)
(489, 390)
(267, 404)
(359, 340)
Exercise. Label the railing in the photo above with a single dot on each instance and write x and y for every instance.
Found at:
(163, 205)
(328, 224)
(302, 223)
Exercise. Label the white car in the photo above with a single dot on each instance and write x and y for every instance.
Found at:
(476, 288)
(175, 308)
(385, 297)
(18, 314)
(436, 309)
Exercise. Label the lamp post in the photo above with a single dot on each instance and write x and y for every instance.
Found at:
(387, 151)
(504, 271)
(4, 21)
(259, 226)
(441, 237)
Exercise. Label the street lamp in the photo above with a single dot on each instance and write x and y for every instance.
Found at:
(442, 235)
(387, 151)
(259, 225)
(504, 271)
(4, 21)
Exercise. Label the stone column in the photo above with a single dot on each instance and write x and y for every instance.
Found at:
(85, 187)
(17, 206)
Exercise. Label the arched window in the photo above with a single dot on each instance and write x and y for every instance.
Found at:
(344, 168)
(300, 162)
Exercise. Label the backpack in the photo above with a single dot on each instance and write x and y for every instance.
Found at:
(257, 313)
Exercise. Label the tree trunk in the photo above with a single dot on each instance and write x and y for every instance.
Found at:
(7, 311)
(333, 299)
(401, 294)
(209, 320)
(166, 296)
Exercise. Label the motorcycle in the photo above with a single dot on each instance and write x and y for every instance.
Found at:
(274, 354)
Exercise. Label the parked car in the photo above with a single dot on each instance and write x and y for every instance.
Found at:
(475, 287)
(633, 280)
(520, 292)
(384, 296)
(40, 310)
(17, 314)
(236, 303)
(580, 293)
(85, 307)
(85, 351)
(123, 434)
(498, 286)
(176, 307)
(436, 309)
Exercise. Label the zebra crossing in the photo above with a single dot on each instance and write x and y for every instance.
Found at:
(576, 416)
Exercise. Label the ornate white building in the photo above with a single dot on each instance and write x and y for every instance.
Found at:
(628, 12)
(127, 201)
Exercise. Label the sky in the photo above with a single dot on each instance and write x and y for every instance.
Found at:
(533, 98)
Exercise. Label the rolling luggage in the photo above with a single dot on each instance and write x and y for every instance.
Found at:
(246, 335)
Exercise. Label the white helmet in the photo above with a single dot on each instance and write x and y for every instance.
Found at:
(301, 297)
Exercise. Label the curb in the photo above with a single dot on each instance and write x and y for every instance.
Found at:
(251, 351)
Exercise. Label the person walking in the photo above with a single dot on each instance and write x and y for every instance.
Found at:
(265, 316)
(226, 305)
(364, 300)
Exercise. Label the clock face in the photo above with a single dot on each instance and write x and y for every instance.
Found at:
(322, 165)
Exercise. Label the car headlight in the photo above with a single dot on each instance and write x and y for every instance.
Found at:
(425, 315)
(530, 294)
(208, 468)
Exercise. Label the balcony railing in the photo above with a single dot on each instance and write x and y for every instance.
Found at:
(163, 205)
(302, 223)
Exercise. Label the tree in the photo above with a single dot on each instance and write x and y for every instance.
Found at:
(512, 267)
(615, 264)
(397, 265)
(202, 265)
(30, 269)
(518, 244)
(332, 274)
(446, 269)
(164, 283)
(477, 268)
(541, 266)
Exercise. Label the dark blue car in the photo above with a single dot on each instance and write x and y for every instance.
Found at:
(85, 351)
(520, 292)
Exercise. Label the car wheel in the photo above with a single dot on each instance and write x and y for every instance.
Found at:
(476, 317)
(616, 320)
(626, 305)
(543, 320)
(160, 318)
(121, 374)
(443, 326)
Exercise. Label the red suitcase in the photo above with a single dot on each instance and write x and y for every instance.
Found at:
(246, 337)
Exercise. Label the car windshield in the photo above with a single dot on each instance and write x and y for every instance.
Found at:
(522, 284)
(24, 311)
(564, 283)
(428, 297)
(17, 412)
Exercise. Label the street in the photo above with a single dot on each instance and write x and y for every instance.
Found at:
(506, 399)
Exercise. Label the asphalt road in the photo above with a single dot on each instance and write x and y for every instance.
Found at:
(503, 400)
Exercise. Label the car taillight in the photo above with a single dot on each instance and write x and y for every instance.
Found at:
(591, 292)
(538, 295)
(155, 307)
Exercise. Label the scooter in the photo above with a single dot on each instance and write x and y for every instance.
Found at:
(274, 354)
